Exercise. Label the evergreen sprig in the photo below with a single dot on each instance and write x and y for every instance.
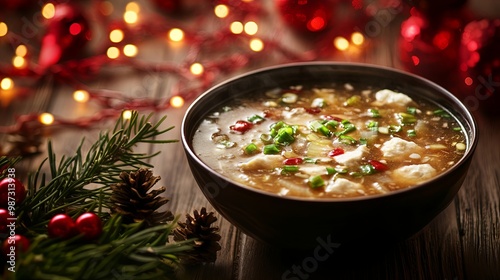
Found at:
(81, 183)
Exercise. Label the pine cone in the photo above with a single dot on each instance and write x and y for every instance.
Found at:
(200, 227)
(134, 199)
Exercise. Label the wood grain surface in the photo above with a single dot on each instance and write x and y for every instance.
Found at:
(463, 242)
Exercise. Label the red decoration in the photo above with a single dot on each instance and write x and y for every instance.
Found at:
(89, 224)
(4, 216)
(15, 244)
(11, 187)
(378, 165)
(335, 152)
(61, 226)
(66, 35)
(430, 49)
(480, 64)
(306, 15)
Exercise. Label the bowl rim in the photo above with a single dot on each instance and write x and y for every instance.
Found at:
(467, 115)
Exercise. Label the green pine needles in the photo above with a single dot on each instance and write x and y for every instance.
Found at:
(82, 183)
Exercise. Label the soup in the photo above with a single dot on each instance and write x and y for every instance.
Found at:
(330, 141)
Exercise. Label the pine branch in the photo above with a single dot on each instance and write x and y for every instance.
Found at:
(80, 182)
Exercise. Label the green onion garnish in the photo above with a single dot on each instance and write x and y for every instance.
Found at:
(330, 170)
(346, 139)
(411, 110)
(367, 169)
(255, 119)
(441, 113)
(406, 118)
(316, 182)
(310, 160)
(290, 168)
(411, 133)
(353, 100)
(318, 127)
(251, 148)
(270, 149)
(374, 113)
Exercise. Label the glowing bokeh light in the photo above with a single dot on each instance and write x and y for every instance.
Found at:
(196, 69)
(48, 11)
(341, 43)
(133, 7)
(251, 28)
(415, 59)
(113, 52)
(21, 50)
(127, 114)
(3, 29)
(130, 17)
(221, 11)
(316, 24)
(19, 62)
(6, 83)
(357, 38)
(46, 118)
(176, 35)
(116, 35)
(176, 101)
(130, 50)
(75, 28)
(81, 96)
(106, 8)
(236, 27)
(468, 81)
(256, 45)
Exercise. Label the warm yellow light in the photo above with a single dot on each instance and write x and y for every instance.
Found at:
(127, 115)
(221, 11)
(133, 7)
(130, 50)
(113, 52)
(341, 43)
(130, 17)
(106, 8)
(3, 29)
(19, 62)
(116, 35)
(256, 45)
(6, 84)
(196, 68)
(176, 101)
(236, 27)
(176, 35)
(21, 50)
(81, 96)
(46, 118)
(48, 11)
(251, 28)
(357, 38)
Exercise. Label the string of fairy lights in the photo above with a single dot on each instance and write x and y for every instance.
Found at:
(123, 46)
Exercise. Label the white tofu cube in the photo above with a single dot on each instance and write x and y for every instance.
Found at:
(398, 148)
(352, 157)
(343, 186)
(263, 162)
(414, 174)
(386, 96)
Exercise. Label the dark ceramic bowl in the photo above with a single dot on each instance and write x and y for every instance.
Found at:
(301, 223)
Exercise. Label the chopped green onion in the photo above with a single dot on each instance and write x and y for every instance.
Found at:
(353, 100)
(348, 127)
(367, 169)
(316, 182)
(341, 170)
(406, 118)
(363, 141)
(411, 110)
(310, 160)
(395, 128)
(372, 125)
(330, 170)
(266, 138)
(270, 149)
(374, 113)
(346, 139)
(284, 136)
(442, 113)
(332, 123)
(290, 168)
(411, 133)
(356, 174)
(251, 148)
(318, 127)
(457, 128)
(255, 119)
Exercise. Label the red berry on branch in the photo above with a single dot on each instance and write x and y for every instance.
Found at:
(4, 215)
(89, 224)
(11, 190)
(15, 244)
(61, 226)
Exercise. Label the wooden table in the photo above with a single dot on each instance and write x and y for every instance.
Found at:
(463, 242)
